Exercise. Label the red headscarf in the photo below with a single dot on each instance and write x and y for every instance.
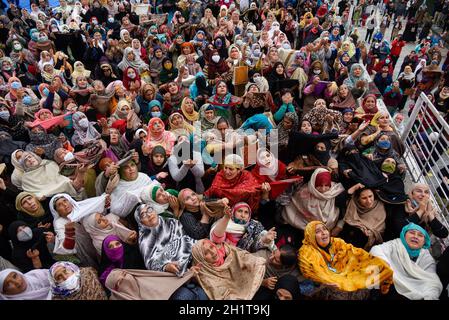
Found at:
(323, 179)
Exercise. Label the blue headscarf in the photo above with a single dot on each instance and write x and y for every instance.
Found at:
(414, 253)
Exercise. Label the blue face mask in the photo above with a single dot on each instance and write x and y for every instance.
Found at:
(384, 144)
(46, 91)
(156, 114)
(27, 100)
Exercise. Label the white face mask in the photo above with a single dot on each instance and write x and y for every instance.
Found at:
(316, 71)
(256, 52)
(17, 46)
(69, 156)
(286, 46)
(215, 59)
(26, 234)
(4, 115)
(72, 283)
(84, 123)
(239, 42)
(131, 75)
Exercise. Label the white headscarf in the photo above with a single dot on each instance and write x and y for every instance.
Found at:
(38, 285)
(81, 209)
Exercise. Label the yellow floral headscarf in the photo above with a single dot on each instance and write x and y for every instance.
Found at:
(348, 267)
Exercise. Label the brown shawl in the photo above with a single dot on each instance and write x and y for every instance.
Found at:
(238, 278)
(133, 284)
(91, 288)
(370, 221)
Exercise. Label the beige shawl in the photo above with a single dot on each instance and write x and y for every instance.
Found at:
(308, 204)
(238, 278)
(370, 221)
(133, 284)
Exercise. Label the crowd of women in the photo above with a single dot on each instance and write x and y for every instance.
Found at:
(126, 147)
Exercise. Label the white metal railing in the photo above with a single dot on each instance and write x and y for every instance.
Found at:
(426, 139)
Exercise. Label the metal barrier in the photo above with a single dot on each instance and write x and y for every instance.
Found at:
(426, 137)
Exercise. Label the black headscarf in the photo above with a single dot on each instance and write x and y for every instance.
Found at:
(289, 283)
(20, 248)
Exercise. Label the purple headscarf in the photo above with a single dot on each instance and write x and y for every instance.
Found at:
(111, 258)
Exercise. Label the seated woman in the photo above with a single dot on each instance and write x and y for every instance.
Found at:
(343, 100)
(155, 166)
(116, 254)
(414, 268)
(235, 183)
(226, 272)
(179, 126)
(163, 242)
(30, 247)
(71, 240)
(268, 168)
(188, 109)
(158, 136)
(161, 200)
(289, 124)
(224, 102)
(237, 228)
(315, 200)
(68, 282)
(208, 117)
(42, 143)
(380, 125)
(100, 226)
(186, 165)
(344, 270)
(419, 209)
(368, 109)
(255, 102)
(42, 177)
(364, 221)
(358, 81)
(33, 285)
(31, 211)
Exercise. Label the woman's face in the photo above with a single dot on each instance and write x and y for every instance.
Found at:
(101, 221)
(191, 199)
(370, 103)
(210, 252)
(173, 88)
(186, 50)
(161, 196)
(280, 69)
(130, 171)
(149, 217)
(274, 55)
(348, 116)
(384, 120)
(323, 188)
(415, 239)
(114, 244)
(242, 213)
(222, 89)
(284, 294)
(265, 158)
(234, 53)
(230, 172)
(320, 103)
(63, 207)
(149, 94)
(306, 127)
(158, 159)
(357, 71)
(130, 56)
(136, 44)
(131, 74)
(345, 46)
(82, 82)
(31, 161)
(30, 204)
(253, 89)
(188, 104)
(389, 161)
(408, 69)
(14, 284)
(157, 127)
(366, 199)
(125, 109)
(420, 193)
(222, 127)
(322, 235)
(343, 91)
(61, 274)
(288, 124)
(176, 120)
(320, 146)
(209, 114)
(346, 58)
(114, 136)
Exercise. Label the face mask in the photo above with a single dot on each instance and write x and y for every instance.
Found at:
(71, 284)
(95, 22)
(131, 75)
(43, 38)
(387, 61)
(17, 46)
(84, 123)
(250, 34)
(16, 85)
(7, 68)
(26, 234)
(316, 71)
(286, 46)
(69, 156)
(256, 52)
(384, 144)
(388, 167)
(239, 221)
(116, 254)
(35, 36)
(4, 115)
(156, 114)
(215, 59)
(239, 42)
(111, 20)
(46, 91)
(27, 100)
